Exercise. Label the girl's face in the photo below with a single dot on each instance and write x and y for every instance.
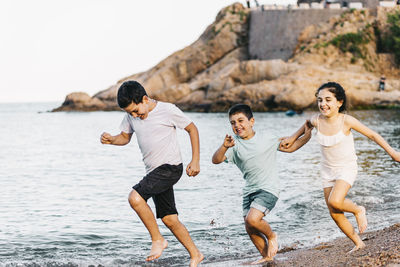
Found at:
(327, 103)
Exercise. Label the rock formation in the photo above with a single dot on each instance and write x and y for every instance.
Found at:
(215, 71)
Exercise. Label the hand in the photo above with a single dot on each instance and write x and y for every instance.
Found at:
(396, 156)
(193, 168)
(287, 142)
(106, 138)
(228, 141)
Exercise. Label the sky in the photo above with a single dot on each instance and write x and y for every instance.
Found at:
(50, 48)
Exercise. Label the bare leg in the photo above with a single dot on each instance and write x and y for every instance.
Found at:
(337, 209)
(182, 234)
(260, 243)
(338, 201)
(254, 220)
(258, 240)
(146, 215)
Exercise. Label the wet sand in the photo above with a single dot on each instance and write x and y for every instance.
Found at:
(382, 249)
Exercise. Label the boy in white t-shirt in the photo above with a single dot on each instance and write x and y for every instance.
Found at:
(155, 124)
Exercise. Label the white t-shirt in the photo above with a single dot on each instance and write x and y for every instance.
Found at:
(156, 134)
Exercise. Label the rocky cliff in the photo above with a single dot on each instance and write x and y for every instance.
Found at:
(215, 71)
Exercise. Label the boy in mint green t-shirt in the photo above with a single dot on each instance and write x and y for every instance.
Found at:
(255, 155)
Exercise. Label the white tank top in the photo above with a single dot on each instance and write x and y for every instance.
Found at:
(337, 150)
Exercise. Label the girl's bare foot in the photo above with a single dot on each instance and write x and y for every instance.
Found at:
(272, 246)
(358, 247)
(361, 218)
(265, 259)
(196, 260)
(157, 248)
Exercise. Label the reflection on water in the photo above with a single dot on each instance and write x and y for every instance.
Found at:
(64, 195)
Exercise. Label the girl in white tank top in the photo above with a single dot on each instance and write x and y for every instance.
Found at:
(339, 160)
(337, 150)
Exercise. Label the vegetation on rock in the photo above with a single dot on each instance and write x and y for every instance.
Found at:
(351, 42)
(391, 39)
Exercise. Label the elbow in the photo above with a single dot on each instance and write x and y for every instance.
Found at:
(374, 137)
(125, 141)
(191, 128)
(214, 161)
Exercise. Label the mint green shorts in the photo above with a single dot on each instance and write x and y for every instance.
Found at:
(260, 200)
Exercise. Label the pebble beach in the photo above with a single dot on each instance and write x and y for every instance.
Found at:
(382, 249)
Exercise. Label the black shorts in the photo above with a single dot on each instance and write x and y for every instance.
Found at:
(158, 184)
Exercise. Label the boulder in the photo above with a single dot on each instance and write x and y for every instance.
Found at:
(81, 101)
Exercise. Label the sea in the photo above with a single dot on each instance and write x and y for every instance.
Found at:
(63, 194)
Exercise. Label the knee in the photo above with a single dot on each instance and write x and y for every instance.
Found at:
(170, 221)
(335, 204)
(251, 221)
(134, 199)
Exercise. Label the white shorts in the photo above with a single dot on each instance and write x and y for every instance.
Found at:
(347, 173)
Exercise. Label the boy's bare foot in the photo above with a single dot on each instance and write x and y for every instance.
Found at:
(272, 246)
(157, 248)
(361, 218)
(265, 259)
(196, 260)
(358, 247)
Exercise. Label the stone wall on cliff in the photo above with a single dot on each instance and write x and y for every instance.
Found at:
(273, 33)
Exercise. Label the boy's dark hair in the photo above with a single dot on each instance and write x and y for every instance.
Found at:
(241, 108)
(130, 91)
(338, 91)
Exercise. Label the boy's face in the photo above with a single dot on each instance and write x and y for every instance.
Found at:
(242, 126)
(140, 110)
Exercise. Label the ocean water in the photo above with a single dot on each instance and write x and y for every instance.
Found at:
(63, 195)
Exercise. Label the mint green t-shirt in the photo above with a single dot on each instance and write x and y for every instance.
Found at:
(256, 159)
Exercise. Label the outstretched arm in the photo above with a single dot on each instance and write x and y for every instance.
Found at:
(289, 141)
(374, 136)
(193, 168)
(299, 142)
(118, 140)
(219, 155)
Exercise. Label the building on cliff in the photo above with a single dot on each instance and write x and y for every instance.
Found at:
(343, 3)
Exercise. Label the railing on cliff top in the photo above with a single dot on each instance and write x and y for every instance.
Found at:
(315, 5)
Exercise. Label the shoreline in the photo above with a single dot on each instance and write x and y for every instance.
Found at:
(382, 249)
